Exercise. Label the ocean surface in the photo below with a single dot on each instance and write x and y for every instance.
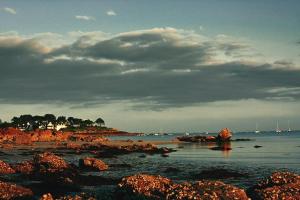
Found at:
(277, 152)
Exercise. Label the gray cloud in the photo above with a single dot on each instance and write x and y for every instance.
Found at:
(156, 68)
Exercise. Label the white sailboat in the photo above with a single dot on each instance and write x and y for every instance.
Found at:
(277, 128)
(289, 128)
(256, 129)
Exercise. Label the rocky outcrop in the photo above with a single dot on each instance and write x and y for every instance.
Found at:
(10, 191)
(224, 135)
(110, 150)
(204, 190)
(144, 185)
(280, 185)
(157, 187)
(81, 196)
(197, 139)
(92, 163)
(5, 168)
(26, 167)
(48, 162)
(14, 136)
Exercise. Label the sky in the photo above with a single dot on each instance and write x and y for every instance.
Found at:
(168, 66)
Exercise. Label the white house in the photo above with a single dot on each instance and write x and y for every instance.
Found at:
(61, 126)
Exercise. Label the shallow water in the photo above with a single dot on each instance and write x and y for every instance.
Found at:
(278, 152)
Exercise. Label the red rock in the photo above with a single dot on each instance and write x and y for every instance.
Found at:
(48, 162)
(93, 163)
(5, 168)
(157, 187)
(280, 185)
(10, 191)
(47, 196)
(81, 196)
(225, 134)
(26, 167)
(13, 135)
(44, 135)
(146, 185)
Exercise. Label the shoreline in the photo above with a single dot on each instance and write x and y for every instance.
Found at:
(68, 166)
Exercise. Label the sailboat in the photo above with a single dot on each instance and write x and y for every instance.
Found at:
(277, 128)
(289, 128)
(256, 130)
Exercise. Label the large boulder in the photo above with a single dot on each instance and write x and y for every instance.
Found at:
(82, 196)
(26, 167)
(10, 191)
(205, 190)
(144, 185)
(280, 185)
(48, 162)
(224, 135)
(156, 187)
(93, 163)
(5, 168)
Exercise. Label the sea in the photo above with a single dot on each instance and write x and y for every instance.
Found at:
(252, 160)
(265, 153)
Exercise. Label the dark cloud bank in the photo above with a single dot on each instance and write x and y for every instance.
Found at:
(158, 67)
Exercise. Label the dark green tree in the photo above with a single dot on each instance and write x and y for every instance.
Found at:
(100, 122)
(61, 120)
(87, 123)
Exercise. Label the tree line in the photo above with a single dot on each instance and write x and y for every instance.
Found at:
(38, 121)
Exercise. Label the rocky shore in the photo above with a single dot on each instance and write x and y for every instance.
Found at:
(45, 174)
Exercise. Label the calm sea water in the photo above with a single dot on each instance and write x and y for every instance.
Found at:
(278, 152)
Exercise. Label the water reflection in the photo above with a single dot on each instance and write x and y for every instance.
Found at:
(224, 147)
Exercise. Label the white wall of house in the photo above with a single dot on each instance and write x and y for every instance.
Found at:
(60, 126)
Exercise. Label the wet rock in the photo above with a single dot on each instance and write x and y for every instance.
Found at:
(10, 191)
(205, 190)
(48, 162)
(280, 185)
(145, 186)
(107, 150)
(5, 168)
(242, 140)
(219, 173)
(81, 196)
(26, 167)
(197, 139)
(224, 135)
(47, 196)
(93, 163)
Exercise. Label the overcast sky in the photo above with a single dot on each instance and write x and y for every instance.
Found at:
(153, 65)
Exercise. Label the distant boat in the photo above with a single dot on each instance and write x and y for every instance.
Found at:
(289, 128)
(256, 129)
(186, 133)
(277, 128)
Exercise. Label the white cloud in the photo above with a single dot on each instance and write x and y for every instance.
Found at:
(83, 17)
(111, 13)
(10, 10)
